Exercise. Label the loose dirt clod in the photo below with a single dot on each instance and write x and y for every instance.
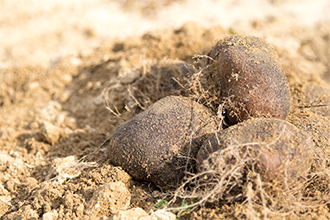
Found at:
(50, 133)
(114, 196)
(140, 214)
(157, 144)
(135, 213)
(249, 77)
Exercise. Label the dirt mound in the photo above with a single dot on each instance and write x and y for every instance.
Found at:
(54, 120)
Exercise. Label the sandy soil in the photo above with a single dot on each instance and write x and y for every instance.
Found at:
(64, 64)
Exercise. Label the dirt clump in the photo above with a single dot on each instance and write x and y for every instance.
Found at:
(156, 145)
(75, 196)
(138, 213)
(115, 196)
(246, 72)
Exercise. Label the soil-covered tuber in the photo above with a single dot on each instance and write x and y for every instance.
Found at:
(251, 81)
(274, 148)
(156, 145)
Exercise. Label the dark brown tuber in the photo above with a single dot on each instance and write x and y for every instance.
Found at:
(252, 81)
(155, 145)
(273, 148)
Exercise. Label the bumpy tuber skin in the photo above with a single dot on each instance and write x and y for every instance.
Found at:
(154, 145)
(252, 81)
(273, 148)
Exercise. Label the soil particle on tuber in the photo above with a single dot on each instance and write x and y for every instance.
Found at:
(247, 71)
(156, 145)
(273, 148)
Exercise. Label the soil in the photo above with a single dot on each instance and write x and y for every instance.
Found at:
(54, 117)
